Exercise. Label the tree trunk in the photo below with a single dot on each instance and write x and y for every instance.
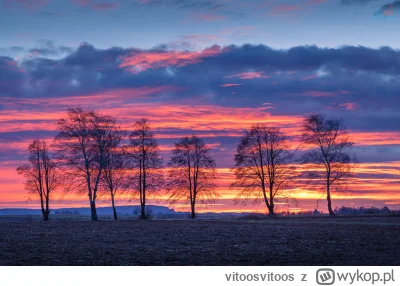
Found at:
(271, 206)
(266, 201)
(143, 210)
(328, 198)
(93, 210)
(271, 209)
(115, 213)
(193, 212)
(45, 215)
(113, 207)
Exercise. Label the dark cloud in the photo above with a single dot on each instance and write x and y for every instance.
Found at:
(48, 48)
(382, 60)
(11, 77)
(358, 84)
(390, 7)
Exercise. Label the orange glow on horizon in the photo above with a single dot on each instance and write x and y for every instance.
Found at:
(375, 182)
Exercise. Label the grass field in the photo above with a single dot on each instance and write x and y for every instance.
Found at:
(279, 241)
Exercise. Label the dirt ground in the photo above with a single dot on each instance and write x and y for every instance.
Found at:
(284, 241)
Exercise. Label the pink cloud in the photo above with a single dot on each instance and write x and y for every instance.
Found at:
(309, 77)
(349, 106)
(249, 75)
(230, 84)
(140, 61)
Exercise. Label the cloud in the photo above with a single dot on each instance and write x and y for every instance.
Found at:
(265, 75)
(230, 84)
(389, 9)
(188, 91)
(349, 105)
(140, 61)
(249, 75)
(46, 48)
(313, 76)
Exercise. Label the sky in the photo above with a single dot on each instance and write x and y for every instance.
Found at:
(212, 68)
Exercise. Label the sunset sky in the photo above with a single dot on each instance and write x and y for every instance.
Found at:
(212, 68)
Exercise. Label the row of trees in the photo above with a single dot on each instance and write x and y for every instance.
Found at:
(92, 154)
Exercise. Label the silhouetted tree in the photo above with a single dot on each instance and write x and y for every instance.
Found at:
(328, 159)
(114, 176)
(192, 173)
(262, 169)
(81, 146)
(145, 163)
(41, 177)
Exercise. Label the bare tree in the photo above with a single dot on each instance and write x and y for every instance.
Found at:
(328, 158)
(81, 146)
(145, 163)
(263, 170)
(114, 178)
(41, 177)
(192, 173)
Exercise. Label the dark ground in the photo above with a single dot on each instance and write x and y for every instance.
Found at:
(280, 241)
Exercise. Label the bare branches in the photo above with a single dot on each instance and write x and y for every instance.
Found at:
(262, 169)
(192, 173)
(329, 156)
(114, 177)
(41, 176)
(82, 143)
(145, 163)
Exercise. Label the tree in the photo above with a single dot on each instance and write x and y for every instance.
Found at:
(114, 176)
(328, 159)
(262, 170)
(192, 173)
(81, 146)
(145, 163)
(41, 176)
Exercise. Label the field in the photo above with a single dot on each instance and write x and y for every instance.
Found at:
(279, 241)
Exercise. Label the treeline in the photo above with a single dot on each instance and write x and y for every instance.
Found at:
(91, 154)
(343, 210)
